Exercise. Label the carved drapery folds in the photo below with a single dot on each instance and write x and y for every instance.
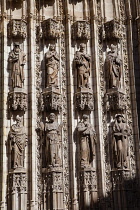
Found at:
(84, 95)
(81, 30)
(120, 142)
(87, 141)
(17, 28)
(50, 29)
(18, 142)
(17, 98)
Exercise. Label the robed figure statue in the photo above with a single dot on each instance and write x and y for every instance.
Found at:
(18, 142)
(18, 59)
(87, 141)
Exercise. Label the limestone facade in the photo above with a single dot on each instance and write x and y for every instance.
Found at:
(69, 104)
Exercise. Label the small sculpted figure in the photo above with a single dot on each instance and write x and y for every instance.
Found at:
(18, 142)
(82, 61)
(53, 141)
(18, 59)
(87, 141)
(120, 141)
(113, 68)
(52, 66)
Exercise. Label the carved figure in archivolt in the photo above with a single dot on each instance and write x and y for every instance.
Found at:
(18, 142)
(52, 66)
(113, 68)
(120, 142)
(82, 61)
(18, 59)
(53, 141)
(87, 141)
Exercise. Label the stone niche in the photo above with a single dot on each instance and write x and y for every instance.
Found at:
(51, 99)
(17, 28)
(17, 100)
(84, 99)
(115, 100)
(81, 30)
(111, 30)
(50, 29)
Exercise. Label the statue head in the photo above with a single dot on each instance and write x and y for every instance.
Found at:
(85, 117)
(119, 117)
(52, 117)
(113, 48)
(82, 47)
(52, 47)
(16, 46)
(18, 120)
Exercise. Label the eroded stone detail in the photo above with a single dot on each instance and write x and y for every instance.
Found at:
(17, 100)
(52, 100)
(50, 29)
(84, 99)
(115, 100)
(17, 28)
(18, 142)
(87, 141)
(81, 30)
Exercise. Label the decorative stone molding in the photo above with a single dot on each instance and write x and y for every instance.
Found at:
(111, 30)
(84, 99)
(115, 100)
(81, 30)
(17, 100)
(51, 99)
(50, 29)
(17, 28)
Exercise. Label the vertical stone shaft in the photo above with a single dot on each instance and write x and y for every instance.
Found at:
(96, 90)
(73, 189)
(32, 105)
(3, 105)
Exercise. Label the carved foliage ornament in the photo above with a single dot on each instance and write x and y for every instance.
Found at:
(18, 182)
(81, 30)
(50, 29)
(84, 101)
(18, 101)
(17, 28)
(116, 101)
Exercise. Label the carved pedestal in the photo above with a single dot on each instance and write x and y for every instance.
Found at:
(88, 188)
(17, 28)
(17, 100)
(116, 100)
(112, 30)
(50, 29)
(81, 30)
(52, 99)
(84, 99)
(17, 195)
(53, 188)
(124, 189)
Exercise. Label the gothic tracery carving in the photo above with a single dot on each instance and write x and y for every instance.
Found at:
(81, 30)
(50, 29)
(17, 28)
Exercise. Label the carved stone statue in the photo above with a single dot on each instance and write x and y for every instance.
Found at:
(18, 59)
(18, 142)
(53, 141)
(87, 141)
(113, 68)
(82, 61)
(120, 142)
(52, 65)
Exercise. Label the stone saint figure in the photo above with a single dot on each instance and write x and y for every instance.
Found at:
(82, 61)
(87, 141)
(52, 66)
(18, 59)
(113, 68)
(53, 141)
(120, 141)
(18, 142)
